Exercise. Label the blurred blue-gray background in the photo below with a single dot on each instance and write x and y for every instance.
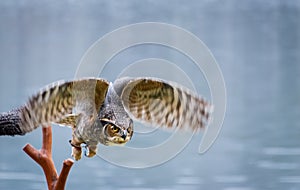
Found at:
(255, 42)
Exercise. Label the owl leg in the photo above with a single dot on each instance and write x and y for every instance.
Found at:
(76, 153)
(76, 148)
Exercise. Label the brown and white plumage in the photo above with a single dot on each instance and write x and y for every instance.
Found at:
(99, 111)
(54, 102)
(165, 104)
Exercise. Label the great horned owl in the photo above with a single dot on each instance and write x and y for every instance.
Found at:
(102, 112)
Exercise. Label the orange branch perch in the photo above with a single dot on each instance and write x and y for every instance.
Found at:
(44, 158)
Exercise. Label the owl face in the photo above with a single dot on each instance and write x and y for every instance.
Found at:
(115, 134)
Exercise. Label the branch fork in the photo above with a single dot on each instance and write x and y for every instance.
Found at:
(43, 157)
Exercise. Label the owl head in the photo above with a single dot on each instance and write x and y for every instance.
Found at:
(116, 134)
(117, 126)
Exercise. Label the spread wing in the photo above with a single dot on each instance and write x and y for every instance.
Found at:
(164, 104)
(57, 101)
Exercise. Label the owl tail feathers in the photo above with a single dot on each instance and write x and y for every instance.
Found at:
(10, 123)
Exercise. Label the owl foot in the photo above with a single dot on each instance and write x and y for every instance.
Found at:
(76, 153)
(91, 150)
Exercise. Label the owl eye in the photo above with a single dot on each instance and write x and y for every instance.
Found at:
(129, 129)
(115, 129)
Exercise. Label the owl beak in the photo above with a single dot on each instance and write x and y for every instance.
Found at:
(124, 135)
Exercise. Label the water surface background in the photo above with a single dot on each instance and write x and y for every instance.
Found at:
(256, 43)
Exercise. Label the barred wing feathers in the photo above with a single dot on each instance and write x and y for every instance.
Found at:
(57, 101)
(165, 104)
